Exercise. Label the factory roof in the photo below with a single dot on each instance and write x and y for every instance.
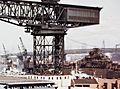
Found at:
(12, 81)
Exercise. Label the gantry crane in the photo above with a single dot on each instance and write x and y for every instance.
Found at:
(47, 19)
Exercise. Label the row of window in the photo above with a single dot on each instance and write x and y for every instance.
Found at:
(82, 85)
(36, 77)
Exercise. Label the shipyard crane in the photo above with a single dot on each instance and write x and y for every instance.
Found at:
(20, 55)
(5, 52)
(26, 61)
(23, 48)
(46, 19)
(8, 61)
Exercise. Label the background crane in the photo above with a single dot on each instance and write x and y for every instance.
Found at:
(28, 67)
(24, 53)
(8, 61)
(5, 52)
(20, 55)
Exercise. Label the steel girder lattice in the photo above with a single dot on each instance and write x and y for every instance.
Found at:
(29, 14)
(44, 19)
(47, 51)
(35, 14)
(36, 17)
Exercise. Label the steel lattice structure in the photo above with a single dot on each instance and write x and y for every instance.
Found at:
(48, 23)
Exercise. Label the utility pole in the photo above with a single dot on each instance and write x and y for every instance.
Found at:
(103, 46)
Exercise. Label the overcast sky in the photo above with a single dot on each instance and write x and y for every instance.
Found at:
(108, 29)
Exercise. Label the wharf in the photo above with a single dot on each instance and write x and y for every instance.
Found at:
(11, 82)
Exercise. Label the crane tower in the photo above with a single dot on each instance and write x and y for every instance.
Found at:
(48, 22)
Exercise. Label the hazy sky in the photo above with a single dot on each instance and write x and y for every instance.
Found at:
(108, 29)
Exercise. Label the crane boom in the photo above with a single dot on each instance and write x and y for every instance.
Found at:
(20, 55)
(5, 52)
(23, 48)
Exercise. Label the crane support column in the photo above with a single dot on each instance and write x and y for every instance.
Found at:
(58, 52)
(47, 43)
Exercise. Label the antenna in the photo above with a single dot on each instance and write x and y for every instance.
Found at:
(103, 45)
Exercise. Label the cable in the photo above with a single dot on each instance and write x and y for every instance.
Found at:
(80, 42)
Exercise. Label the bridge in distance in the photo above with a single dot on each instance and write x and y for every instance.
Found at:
(79, 51)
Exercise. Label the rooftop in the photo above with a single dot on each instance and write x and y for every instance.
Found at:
(18, 82)
(85, 81)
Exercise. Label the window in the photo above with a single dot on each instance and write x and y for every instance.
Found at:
(60, 77)
(114, 86)
(43, 77)
(105, 86)
(86, 85)
(78, 85)
(28, 77)
(68, 77)
(65, 77)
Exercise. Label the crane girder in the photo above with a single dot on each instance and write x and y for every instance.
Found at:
(44, 15)
(26, 13)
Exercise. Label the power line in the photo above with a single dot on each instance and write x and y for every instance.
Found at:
(80, 42)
